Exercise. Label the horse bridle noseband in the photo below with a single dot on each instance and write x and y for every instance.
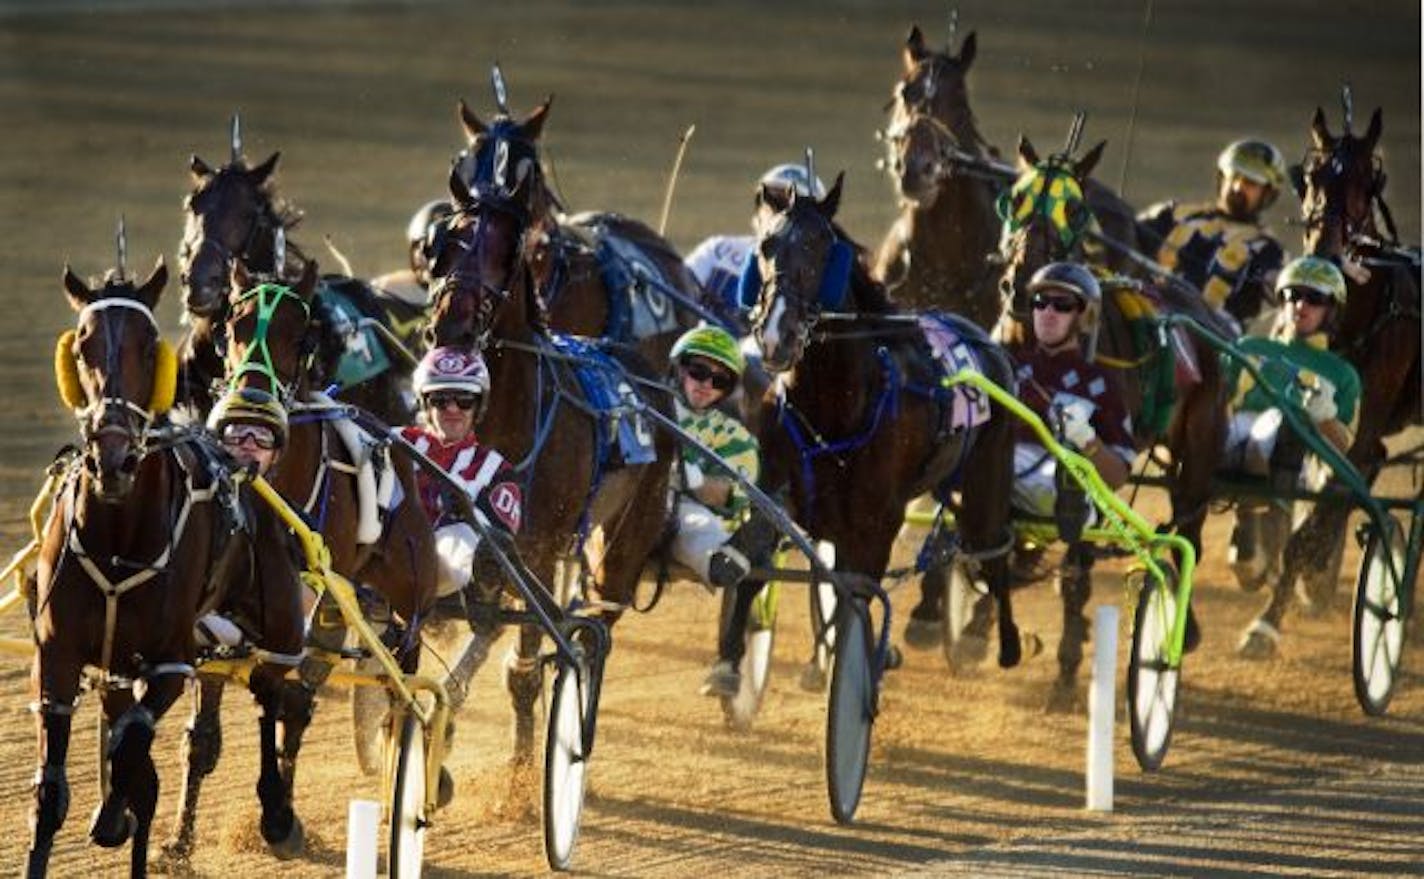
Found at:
(132, 420)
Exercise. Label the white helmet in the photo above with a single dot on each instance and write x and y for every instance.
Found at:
(793, 176)
(451, 369)
(430, 212)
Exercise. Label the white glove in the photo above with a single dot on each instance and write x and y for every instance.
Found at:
(693, 477)
(1319, 402)
(1077, 431)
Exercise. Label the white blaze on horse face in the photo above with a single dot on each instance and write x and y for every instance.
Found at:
(771, 329)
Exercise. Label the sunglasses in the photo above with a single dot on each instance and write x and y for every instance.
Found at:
(1306, 295)
(235, 434)
(1060, 304)
(702, 373)
(464, 402)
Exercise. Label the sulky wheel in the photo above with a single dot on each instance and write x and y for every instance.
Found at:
(565, 765)
(851, 710)
(741, 709)
(407, 787)
(1151, 679)
(1378, 631)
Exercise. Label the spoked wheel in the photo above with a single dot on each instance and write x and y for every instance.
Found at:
(407, 839)
(741, 709)
(823, 629)
(565, 764)
(962, 651)
(1379, 623)
(851, 711)
(1151, 679)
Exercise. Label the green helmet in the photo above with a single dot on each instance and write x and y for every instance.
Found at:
(1255, 160)
(252, 406)
(1313, 273)
(714, 343)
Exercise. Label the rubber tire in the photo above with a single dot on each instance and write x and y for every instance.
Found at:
(565, 769)
(851, 710)
(1152, 687)
(406, 849)
(1377, 633)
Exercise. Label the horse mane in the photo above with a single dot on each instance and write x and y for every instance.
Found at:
(870, 295)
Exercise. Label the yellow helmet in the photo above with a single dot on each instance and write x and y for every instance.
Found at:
(1313, 273)
(1255, 160)
(252, 406)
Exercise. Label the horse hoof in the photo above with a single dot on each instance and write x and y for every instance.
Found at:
(293, 845)
(968, 653)
(1030, 644)
(923, 634)
(446, 791)
(813, 678)
(1250, 577)
(1259, 642)
(1062, 698)
(174, 859)
(113, 824)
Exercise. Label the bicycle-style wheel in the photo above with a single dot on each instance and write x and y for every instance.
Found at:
(1151, 679)
(759, 639)
(407, 787)
(851, 710)
(1378, 631)
(565, 764)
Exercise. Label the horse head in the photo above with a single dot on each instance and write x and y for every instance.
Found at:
(1338, 182)
(801, 266)
(503, 154)
(930, 119)
(271, 336)
(1045, 216)
(480, 259)
(231, 215)
(116, 372)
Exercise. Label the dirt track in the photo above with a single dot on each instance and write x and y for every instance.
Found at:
(1273, 766)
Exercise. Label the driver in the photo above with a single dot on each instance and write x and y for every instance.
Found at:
(412, 285)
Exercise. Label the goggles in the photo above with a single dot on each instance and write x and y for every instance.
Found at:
(236, 434)
(1307, 296)
(463, 402)
(702, 374)
(1060, 304)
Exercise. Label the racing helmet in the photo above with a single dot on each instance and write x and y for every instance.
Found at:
(714, 343)
(1312, 273)
(250, 406)
(1256, 160)
(431, 212)
(1070, 277)
(452, 369)
(790, 176)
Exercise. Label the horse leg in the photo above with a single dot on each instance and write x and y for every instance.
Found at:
(51, 786)
(202, 746)
(1075, 582)
(1307, 549)
(286, 708)
(523, 677)
(923, 630)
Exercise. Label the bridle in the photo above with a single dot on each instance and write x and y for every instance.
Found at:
(113, 413)
(258, 357)
(265, 221)
(1336, 180)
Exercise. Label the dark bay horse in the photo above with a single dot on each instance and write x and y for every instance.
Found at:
(597, 274)
(943, 250)
(138, 546)
(1341, 187)
(856, 423)
(543, 417)
(234, 213)
(270, 339)
(1174, 392)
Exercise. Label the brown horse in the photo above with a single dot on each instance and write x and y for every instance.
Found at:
(137, 547)
(1340, 183)
(856, 423)
(541, 416)
(270, 333)
(597, 274)
(1048, 221)
(942, 251)
(235, 214)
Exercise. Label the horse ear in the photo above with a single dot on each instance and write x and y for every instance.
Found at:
(1083, 168)
(1318, 132)
(79, 293)
(1028, 156)
(260, 174)
(306, 284)
(828, 205)
(967, 49)
(533, 124)
(239, 277)
(458, 190)
(198, 168)
(914, 48)
(469, 121)
(1376, 126)
(152, 288)
(777, 199)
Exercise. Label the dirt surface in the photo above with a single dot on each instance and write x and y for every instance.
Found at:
(1273, 767)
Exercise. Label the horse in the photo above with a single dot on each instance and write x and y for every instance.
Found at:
(270, 332)
(1341, 183)
(137, 547)
(234, 213)
(856, 422)
(1174, 391)
(942, 251)
(598, 274)
(542, 415)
